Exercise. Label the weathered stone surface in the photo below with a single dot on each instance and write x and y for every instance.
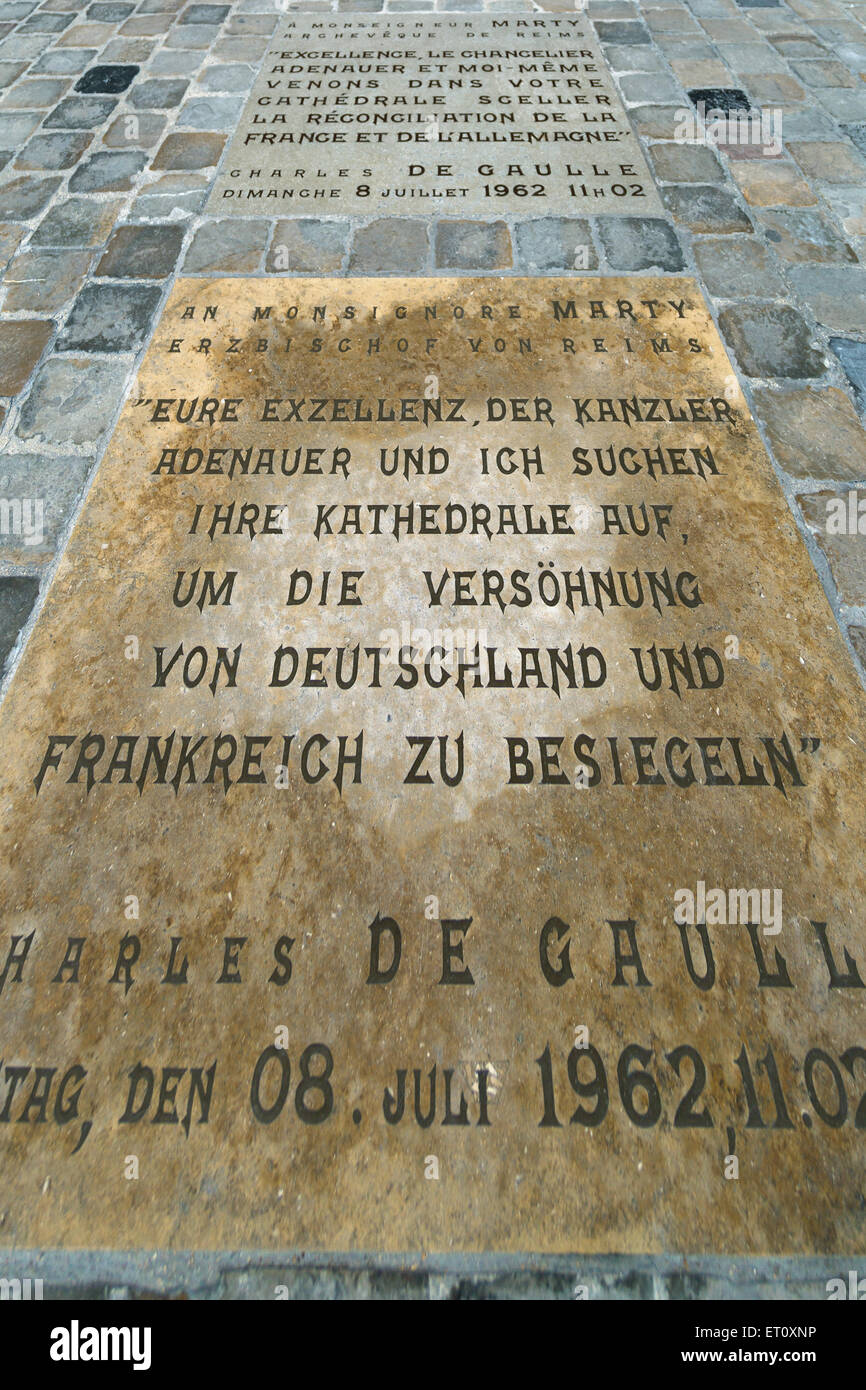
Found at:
(308, 244)
(210, 113)
(10, 235)
(640, 243)
(22, 342)
(390, 246)
(392, 160)
(35, 93)
(769, 182)
(627, 33)
(522, 872)
(54, 150)
(845, 551)
(158, 93)
(193, 151)
(141, 253)
(109, 318)
(147, 132)
(836, 294)
(24, 198)
(46, 490)
(555, 243)
(226, 77)
(804, 235)
(831, 161)
(72, 401)
(824, 74)
(17, 597)
(229, 247)
(80, 113)
(771, 340)
(814, 434)
(77, 222)
(108, 171)
(705, 208)
(17, 126)
(845, 105)
(464, 245)
(60, 60)
(686, 163)
(852, 355)
(44, 281)
(774, 89)
(736, 266)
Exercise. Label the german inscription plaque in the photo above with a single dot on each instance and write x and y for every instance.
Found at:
(432, 797)
(434, 116)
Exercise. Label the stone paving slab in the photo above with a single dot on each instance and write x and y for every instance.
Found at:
(777, 251)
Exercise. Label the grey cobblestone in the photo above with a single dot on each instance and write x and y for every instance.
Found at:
(852, 355)
(58, 484)
(231, 247)
(108, 171)
(468, 245)
(44, 281)
(140, 253)
(705, 208)
(734, 267)
(308, 245)
(814, 434)
(390, 246)
(555, 243)
(110, 318)
(54, 150)
(771, 340)
(72, 401)
(804, 234)
(835, 294)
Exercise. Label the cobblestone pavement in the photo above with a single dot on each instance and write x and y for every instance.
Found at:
(113, 121)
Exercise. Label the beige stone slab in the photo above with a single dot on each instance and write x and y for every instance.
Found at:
(190, 923)
(440, 115)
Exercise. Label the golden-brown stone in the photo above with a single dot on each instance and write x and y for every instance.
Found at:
(747, 774)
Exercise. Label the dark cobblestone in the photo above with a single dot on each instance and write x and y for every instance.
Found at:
(17, 597)
(110, 318)
(107, 77)
(141, 253)
(108, 171)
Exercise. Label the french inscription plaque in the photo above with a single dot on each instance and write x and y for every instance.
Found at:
(434, 115)
(432, 809)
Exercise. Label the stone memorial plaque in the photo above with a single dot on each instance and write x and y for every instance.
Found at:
(434, 115)
(432, 798)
